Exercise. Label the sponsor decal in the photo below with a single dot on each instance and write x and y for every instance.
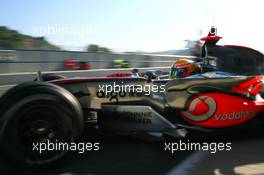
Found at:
(114, 96)
(135, 117)
(194, 105)
(240, 115)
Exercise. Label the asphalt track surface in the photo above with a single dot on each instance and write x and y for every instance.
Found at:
(127, 155)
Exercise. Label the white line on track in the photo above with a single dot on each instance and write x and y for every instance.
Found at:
(188, 164)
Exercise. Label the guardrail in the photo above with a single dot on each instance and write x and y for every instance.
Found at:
(23, 60)
(17, 78)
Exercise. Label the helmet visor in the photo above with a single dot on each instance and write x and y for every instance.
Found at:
(179, 72)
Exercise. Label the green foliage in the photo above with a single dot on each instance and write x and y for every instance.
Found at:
(96, 48)
(93, 48)
(13, 39)
(104, 49)
(9, 38)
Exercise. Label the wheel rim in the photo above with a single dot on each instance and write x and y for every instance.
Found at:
(41, 123)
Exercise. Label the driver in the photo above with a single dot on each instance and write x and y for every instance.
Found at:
(184, 68)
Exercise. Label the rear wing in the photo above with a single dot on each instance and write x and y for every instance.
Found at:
(230, 58)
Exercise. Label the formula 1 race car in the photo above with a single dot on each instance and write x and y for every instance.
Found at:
(58, 109)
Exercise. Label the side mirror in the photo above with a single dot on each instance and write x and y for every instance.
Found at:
(150, 75)
(135, 72)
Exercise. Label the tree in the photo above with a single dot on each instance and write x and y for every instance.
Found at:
(104, 49)
(13, 39)
(97, 48)
(93, 48)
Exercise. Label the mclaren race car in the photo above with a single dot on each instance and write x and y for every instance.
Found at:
(56, 108)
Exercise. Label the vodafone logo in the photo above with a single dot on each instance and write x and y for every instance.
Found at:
(240, 115)
(200, 109)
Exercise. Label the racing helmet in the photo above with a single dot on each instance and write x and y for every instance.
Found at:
(183, 68)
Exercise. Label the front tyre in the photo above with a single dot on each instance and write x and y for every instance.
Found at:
(33, 125)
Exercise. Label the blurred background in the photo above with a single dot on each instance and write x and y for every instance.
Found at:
(80, 35)
(25, 53)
